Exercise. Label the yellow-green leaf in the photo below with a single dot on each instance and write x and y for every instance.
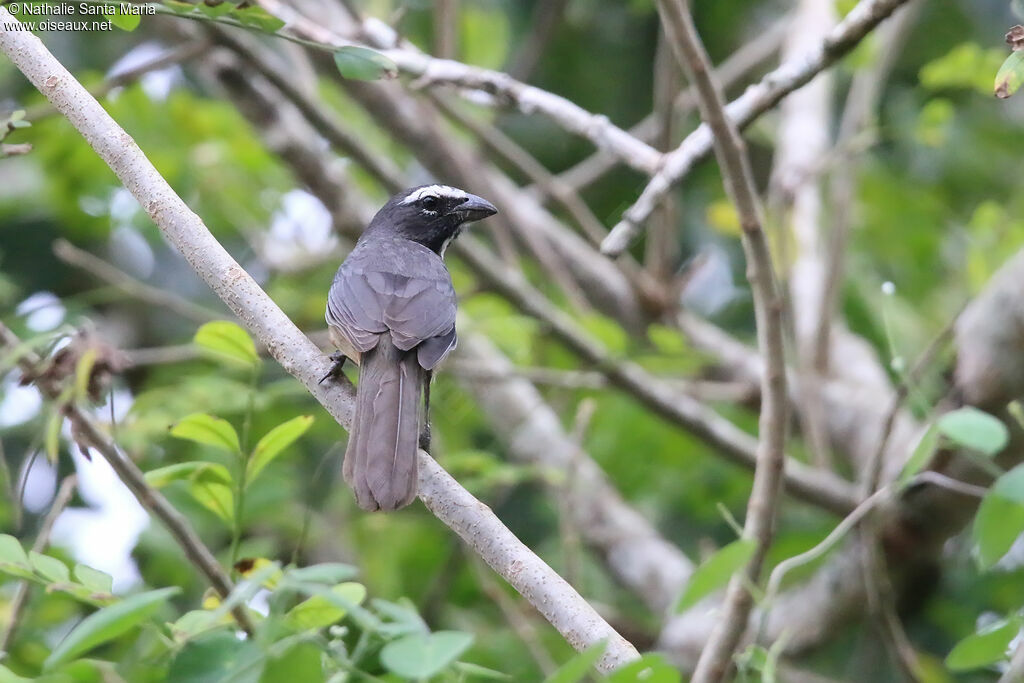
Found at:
(274, 442)
(323, 610)
(363, 64)
(50, 568)
(209, 430)
(107, 624)
(162, 476)
(1010, 75)
(715, 572)
(227, 341)
(126, 21)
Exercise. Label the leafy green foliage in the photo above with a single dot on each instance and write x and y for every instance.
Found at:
(984, 648)
(974, 429)
(274, 442)
(107, 624)
(363, 64)
(226, 340)
(715, 572)
(1000, 517)
(578, 668)
(209, 430)
(423, 655)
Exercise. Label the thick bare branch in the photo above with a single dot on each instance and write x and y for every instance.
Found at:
(742, 111)
(578, 622)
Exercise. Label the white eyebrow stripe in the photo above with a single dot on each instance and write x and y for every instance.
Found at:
(438, 190)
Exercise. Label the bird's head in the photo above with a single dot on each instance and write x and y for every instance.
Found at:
(432, 215)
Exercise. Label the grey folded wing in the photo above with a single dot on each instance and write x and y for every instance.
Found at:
(418, 311)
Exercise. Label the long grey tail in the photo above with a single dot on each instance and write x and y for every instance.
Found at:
(380, 461)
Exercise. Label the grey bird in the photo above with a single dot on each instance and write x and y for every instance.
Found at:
(391, 309)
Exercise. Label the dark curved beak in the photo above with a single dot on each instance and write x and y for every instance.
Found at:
(474, 209)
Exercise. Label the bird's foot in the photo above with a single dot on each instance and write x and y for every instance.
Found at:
(338, 364)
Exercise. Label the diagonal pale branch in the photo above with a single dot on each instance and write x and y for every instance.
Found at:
(527, 98)
(762, 507)
(755, 101)
(576, 620)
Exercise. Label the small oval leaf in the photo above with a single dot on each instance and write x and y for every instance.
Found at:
(320, 611)
(107, 624)
(423, 655)
(577, 668)
(985, 647)
(208, 430)
(364, 64)
(275, 441)
(974, 429)
(93, 579)
(50, 568)
(226, 340)
(1000, 517)
(1010, 75)
(715, 572)
(162, 476)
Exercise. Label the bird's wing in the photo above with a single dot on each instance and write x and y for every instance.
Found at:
(410, 295)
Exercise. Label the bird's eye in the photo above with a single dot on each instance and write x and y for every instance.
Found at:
(430, 203)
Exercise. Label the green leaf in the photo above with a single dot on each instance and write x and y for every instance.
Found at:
(606, 331)
(1010, 75)
(217, 10)
(191, 624)
(667, 339)
(93, 579)
(50, 568)
(226, 340)
(299, 663)
(974, 429)
(715, 572)
(208, 430)
(11, 552)
(51, 437)
(922, 454)
(162, 476)
(476, 671)
(8, 676)
(320, 611)
(83, 373)
(579, 666)
(107, 624)
(364, 64)
(218, 658)
(983, 648)
(329, 573)
(651, 668)
(423, 655)
(208, 488)
(126, 22)
(1000, 517)
(258, 17)
(275, 441)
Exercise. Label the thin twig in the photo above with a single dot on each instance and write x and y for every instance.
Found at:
(162, 298)
(748, 57)
(60, 501)
(806, 483)
(742, 111)
(578, 622)
(175, 55)
(762, 507)
(88, 432)
(527, 98)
